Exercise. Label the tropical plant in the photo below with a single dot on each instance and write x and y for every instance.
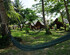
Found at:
(28, 15)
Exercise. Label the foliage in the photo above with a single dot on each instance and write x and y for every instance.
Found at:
(57, 7)
(17, 5)
(53, 6)
(7, 4)
(13, 16)
(28, 15)
(11, 13)
(26, 28)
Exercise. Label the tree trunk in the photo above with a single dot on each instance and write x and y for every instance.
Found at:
(46, 27)
(3, 16)
(43, 13)
(4, 24)
(67, 11)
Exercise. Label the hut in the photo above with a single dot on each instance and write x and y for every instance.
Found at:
(58, 24)
(38, 25)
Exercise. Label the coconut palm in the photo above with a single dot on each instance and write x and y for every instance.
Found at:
(4, 26)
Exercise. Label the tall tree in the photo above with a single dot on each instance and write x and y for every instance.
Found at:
(3, 14)
(4, 18)
(46, 28)
(67, 10)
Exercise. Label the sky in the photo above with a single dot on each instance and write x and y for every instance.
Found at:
(28, 3)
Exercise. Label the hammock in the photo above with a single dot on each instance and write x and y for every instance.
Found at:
(40, 46)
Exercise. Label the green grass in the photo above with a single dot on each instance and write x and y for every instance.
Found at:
(39, 38)
(59, 49)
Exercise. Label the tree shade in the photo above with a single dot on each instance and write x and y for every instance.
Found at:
(39, 46)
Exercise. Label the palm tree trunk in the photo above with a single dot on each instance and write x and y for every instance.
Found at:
(46, 28)
(3, 16)
(67, 11)
(43, 13)
(4, 24)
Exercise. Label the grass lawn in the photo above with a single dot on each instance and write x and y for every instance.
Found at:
(59, 49)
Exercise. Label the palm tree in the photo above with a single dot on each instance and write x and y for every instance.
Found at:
(67, 10)
(4, 24)
(18, 6)
(46, 28)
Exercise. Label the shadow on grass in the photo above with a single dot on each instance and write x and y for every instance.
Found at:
(59, 49)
